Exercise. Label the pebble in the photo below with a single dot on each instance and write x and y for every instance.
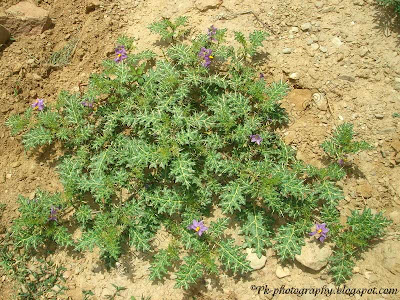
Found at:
(15, 164)
(379, 116)
(363, 52)
(314, 46)
(319, 4)
(306, 26)
(282, 272)
(309, 41)
(255, 262)
(347, 77)
(323, 49)
(337, 42)
(8, 176)
(294, 29)
(314, 255)
(287, 51)
(294, 76)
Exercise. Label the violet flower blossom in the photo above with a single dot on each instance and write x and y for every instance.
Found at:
(198, 227)
(261, 75)
(320, 232)
(39, 104)
(211, 32)
(87, 104)
(120, 51)
(256, 138)
(206, 54)
(53, 213)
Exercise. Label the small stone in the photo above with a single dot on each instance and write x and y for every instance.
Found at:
(365, 190)
(306, 26)
(319, 4)
(314, 254)
(309, 41)
(294, 76)
(379, 116)
(92, 5)
(294, 29)
(4, 35)
(395, 216)
(348, 78)
(363, 51)
(67, 274)
(255, 262)
(30, 61)
(397, 79)
(287, 51)
(8, 176)
(356, 270)
(204, 5)
(36, 77)
(323, 49)
(340, 57)
(337, 42)
(15, 164)
(320, 101)
(396, 145)
(282, 272)
(314, 46)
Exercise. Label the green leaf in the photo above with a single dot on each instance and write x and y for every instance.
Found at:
(189, 272)
(232, 257)
(37, 137)
(288, 242)
(232, 197)
(182, 170)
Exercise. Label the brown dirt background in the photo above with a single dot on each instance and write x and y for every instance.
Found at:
(358, 79)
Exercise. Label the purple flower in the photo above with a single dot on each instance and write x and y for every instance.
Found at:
(53, 213)
(340, 162)
(87, 104)
(211, 32)
(120, 51)
(320, 232)
(261, 75)
(206, 55)
(39, 104)
(256, 138)
(198, 227)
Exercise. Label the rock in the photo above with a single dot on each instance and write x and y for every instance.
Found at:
(363, 51)
(395, 216)
(320, 101)
(314, 46)
(319, 4)
(294, 76)
(323, 49)
(91, 5)
(379, 116)
(309, 41)
(396, 145)
(300, 98)
(390, 256)
(340, 57)
(287, 51)
(204, 5)
(365, 190)
(306, 26)
(337, 42)
(294, 29)
(314, 254)
(8, 176)
(255, 262)
(282, 272)
(348, 78)
(4, 35)
(15, 164)
(25, 18)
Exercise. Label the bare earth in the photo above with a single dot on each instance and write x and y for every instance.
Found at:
(344, 66)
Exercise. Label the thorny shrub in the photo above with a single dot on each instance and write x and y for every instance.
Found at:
(161, 144)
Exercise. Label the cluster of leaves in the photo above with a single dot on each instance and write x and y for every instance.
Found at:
(167, 142)
(35, 226)
(342, 144)
(35, 278)
(395, 4)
